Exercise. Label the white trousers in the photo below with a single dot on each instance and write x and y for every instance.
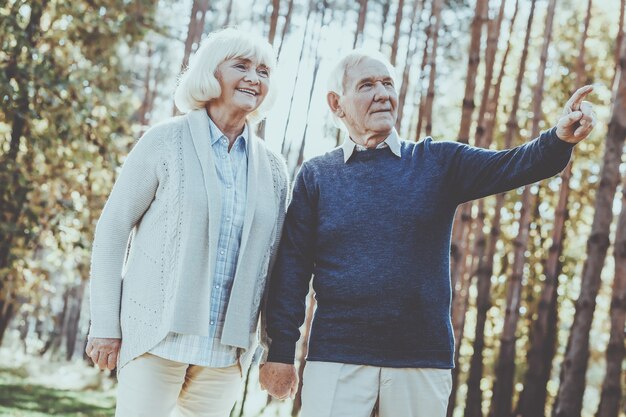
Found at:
(150, 386)
(344, 390)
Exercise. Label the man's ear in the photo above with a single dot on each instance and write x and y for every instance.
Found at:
(333, 102)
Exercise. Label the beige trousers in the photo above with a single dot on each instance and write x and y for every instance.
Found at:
(150, 386)
(344, 390)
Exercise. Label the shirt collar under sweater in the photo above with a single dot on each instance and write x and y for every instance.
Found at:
(392, 141)
(216, 134)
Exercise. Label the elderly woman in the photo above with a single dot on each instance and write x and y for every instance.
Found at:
(201, 200)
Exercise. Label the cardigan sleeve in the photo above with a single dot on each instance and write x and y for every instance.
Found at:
(133, 192)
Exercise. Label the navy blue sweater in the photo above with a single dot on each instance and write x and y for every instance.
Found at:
(375, 234)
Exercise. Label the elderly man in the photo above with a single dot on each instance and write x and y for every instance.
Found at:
(371, 221)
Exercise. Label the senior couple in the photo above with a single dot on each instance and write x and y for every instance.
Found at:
(188, 251)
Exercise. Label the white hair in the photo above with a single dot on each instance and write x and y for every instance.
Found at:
(337, 79)
(198, 85)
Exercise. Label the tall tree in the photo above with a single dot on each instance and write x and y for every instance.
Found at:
(396, 33)
(286, 27)
(574, 367)
(273, 20)
(615, 352)
(421, 96)
(71, 90)
(383, 24)
(505, 368)
(195, 28)
(286, 145)
(620, 38)
(612, 385)
(482, 271)
(358, 35)
(542, 348)
(462, 221)
(432, 65)
(408, 60)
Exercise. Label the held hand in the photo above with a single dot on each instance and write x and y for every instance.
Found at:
(103, 352)
(578, 119)
(280, 380)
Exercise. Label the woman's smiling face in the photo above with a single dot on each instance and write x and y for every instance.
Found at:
(244, 84)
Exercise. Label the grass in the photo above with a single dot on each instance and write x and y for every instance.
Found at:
(21, 399)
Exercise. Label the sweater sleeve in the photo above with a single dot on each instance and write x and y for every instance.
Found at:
(132, 194)
(292, 271)
(283, 179)
(475, 172)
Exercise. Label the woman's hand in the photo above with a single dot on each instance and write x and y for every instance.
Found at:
(103, 352)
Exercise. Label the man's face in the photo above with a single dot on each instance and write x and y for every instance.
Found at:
(370, 100)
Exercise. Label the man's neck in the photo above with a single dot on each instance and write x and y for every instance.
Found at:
(370, 141)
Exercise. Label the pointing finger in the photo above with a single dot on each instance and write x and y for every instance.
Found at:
(575, 101)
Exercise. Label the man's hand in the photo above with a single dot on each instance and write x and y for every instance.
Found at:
(103, 352)
(280, 380)
(578, 117)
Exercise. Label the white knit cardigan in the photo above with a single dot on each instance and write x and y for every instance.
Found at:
(164, 211)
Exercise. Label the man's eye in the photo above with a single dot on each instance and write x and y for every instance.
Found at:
(240, 66)
(264, 72)
(388, 83)
(366, 85)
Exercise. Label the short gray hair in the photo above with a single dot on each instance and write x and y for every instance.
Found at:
(337, 79)
(198, 85)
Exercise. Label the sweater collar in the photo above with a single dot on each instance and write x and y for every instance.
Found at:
(393, 142)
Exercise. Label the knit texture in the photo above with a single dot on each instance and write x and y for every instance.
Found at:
(375, 233)
(164, 197)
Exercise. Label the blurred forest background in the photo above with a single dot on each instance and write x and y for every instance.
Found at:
(539, 274)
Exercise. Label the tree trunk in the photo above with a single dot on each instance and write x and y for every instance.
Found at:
(286, 145)
(273, 20)
(532, 400)
(574, 368)
(505, 368)
(358, 35)
(410, 52)
(483, 255)
(432, 64)
(229, 11)
(14, 192)
(612, 385)
(285, 27)
(318, 59)
(304, 344)
(420, 91)
(383, 23)
(620, 38)
(7, 310)
(71, 330)
(147, 90)
(396, 33)
(195, 28)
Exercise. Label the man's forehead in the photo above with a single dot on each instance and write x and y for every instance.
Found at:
(368, 68)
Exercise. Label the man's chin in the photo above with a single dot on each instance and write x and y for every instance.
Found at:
(383, 127)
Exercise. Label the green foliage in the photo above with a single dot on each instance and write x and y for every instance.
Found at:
(66, 115)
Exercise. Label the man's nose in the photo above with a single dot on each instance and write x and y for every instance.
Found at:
(380, 92)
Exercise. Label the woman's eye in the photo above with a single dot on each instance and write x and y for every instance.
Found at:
(240, 66)
(264, 72)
